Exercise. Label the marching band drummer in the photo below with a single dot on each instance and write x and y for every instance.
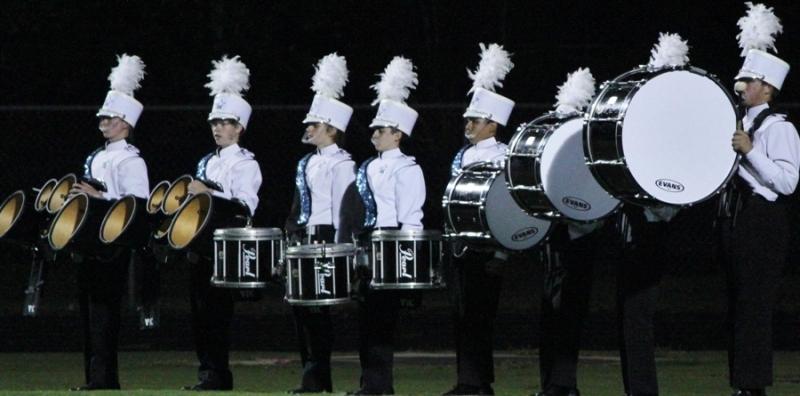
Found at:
(756, 239)
(235, 174)
(477, 277)
(321, 180)
(101, 276)
(390, 194)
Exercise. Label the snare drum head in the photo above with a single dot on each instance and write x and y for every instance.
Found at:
(509, 224)
(676, 137)
(568, 183)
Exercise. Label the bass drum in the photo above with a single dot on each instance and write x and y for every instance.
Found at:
(547, 173)
(662, 136)
(479, 209)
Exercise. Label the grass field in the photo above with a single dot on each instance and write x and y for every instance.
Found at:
(162, 373)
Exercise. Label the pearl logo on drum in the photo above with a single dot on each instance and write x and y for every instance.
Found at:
(405, 257)
(324, 273)
(669, 185)
(248, 256)
(525, 233)
(576, 203)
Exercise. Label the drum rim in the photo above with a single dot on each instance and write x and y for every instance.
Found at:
(320, 302)
(248, 234)
(239, 285)
(58, 216)
(405, 235)
(408, 286)
(315, 250)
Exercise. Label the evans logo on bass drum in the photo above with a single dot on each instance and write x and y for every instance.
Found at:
(576, 203)
(669, 185)
(525, 233)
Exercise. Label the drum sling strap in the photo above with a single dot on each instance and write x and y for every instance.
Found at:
(303, 191)
(455, 167)
(362, 184)
(734, 198)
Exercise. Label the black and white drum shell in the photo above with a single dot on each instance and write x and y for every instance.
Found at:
(319, 274)
(479, 210)
(547, 172)
(246, 258)
(662, 136)
(406, 259)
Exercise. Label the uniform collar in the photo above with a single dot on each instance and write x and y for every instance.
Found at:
(753, 112)
(328, 150)
(486, 143)
(228, 151)
(393, 153)
(118, 145)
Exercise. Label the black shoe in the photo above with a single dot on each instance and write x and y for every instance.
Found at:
(206, 386)
(559, 391)
(369, 392)
(463, 389)
(750, 392)
(305, 390)
(91, 387)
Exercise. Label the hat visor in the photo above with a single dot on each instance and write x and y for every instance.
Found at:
(109, 113)
(746, 75)
(222, 116)
(312, 119)
(470, 113)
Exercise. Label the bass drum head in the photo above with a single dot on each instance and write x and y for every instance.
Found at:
(568, 183)
(677, 137)
(511, 226)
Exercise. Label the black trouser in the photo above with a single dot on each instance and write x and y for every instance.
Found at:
(315, 333)
(212, 312)
(565, 302)
(476, 293)
(101, 283)
(757, 249)
(638, 277)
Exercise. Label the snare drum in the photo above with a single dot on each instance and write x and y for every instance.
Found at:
(662, 136)
(407, 259)
(480, 210)
(319, 274)
(547, 173)
(246, 258)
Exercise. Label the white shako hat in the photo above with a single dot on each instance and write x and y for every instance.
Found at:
(494, 65)
(125, 79)
(228, 80)
(328, 84)
(757, 34)
(397, 81)
(576, 93)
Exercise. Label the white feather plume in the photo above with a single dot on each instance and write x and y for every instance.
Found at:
(125, 77)
(330, 76)
(670, 50)
(494, 65)
(397, 81)
(758, 28)
(576, 93)
(229, 75)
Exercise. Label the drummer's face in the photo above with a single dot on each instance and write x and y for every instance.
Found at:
(319, 134)
(756, 93)
(225, 132)
(478, 129)
(386, 138)
(113, 128)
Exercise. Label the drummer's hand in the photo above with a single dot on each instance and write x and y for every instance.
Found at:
(86, 188)
(741, 142)
(196, 187)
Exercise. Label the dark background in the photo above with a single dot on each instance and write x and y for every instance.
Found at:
(55, 57)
